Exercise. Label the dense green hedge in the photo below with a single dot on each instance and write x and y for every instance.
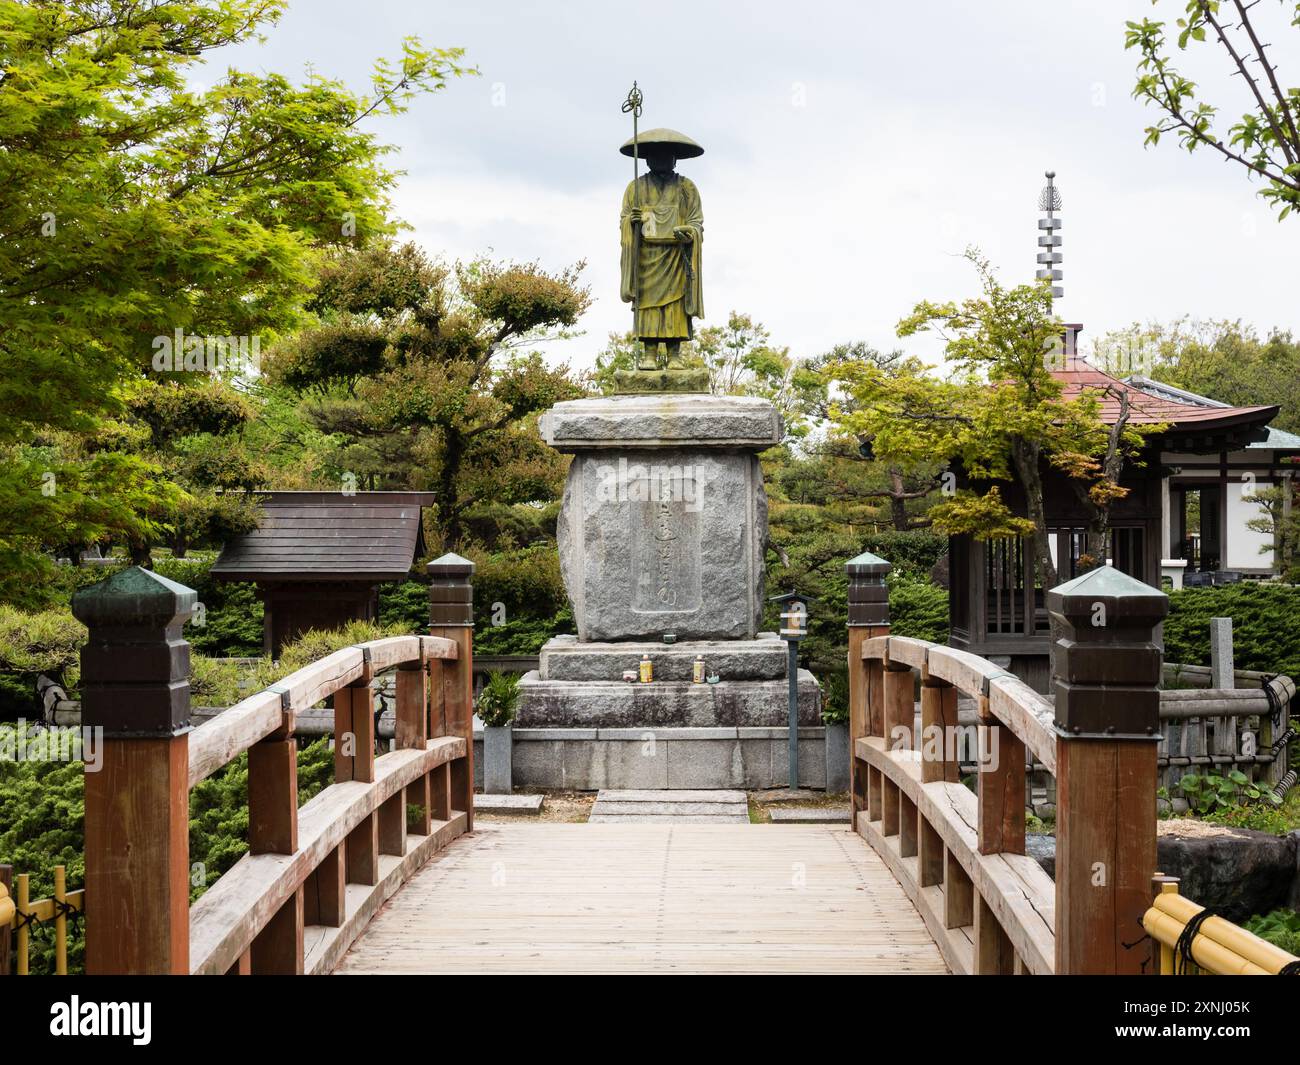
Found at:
(42, 811)
(918, 609)
(1265, 625)
(519, 601)
(42, 814)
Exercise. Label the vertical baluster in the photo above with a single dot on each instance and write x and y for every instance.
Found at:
(392, 824)
(412, 717)
(1000, 786)
(354, 731)
(325, 893)
(900, 706)
(938, 729)
(273, 829)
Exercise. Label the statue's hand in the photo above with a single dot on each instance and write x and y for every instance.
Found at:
(683, 233)
(634, 215)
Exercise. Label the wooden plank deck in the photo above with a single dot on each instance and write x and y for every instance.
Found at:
(597, 898)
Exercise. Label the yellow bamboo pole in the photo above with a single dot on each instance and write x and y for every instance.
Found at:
(1219, 947)
(1169, 886)
(60, 922)
(24, 932)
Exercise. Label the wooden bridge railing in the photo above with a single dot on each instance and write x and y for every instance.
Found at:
(314, 874)
(961, 856)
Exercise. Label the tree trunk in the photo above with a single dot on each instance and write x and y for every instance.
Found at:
(1026, 457)
(448, 506)
(897, 501)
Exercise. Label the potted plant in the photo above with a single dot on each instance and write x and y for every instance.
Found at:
(496, 709)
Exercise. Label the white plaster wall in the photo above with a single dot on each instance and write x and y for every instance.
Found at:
(1244, 544)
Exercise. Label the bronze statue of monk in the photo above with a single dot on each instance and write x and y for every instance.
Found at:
(662, 233)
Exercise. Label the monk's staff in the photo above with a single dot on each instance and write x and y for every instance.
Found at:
(633, 104)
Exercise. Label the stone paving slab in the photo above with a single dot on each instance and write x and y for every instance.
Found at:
(650, 806)
(667, 819)
(674, 809)
(658, 795)
(524, 805)
(816, 815)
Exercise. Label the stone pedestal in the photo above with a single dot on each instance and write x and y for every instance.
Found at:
(663, 530)
(664, 520)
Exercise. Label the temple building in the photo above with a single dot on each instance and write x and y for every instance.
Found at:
(1184, 520)
(318, 558)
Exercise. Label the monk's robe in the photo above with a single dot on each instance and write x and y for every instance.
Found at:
(667, 295)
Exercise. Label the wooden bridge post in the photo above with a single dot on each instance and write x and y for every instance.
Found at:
(1107, 723)
(273, 829)
(868, 617)
(136, 692)
(451, 616)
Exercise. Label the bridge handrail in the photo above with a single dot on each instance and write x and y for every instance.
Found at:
(291, 904)
(222, 739)
(1013, 702)
(961, 857)
(958, 856)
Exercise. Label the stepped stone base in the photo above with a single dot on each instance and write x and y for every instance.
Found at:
(588, 759)
(663, 704)
(566, 658)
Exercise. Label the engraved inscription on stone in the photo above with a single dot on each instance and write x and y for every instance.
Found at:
(665, 555)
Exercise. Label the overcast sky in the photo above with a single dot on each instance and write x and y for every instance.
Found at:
(852, 151)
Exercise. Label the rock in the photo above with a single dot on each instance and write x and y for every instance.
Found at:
(1180, 806)
(1042, 848)
(1045, 811)
(1237, 873)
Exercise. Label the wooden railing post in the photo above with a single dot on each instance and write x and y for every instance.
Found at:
(273, 829)
(451, 616)
(1107, 722)
(868, 617)
(412, 731)
(1000, 784)
(136, 691)
(938, 741)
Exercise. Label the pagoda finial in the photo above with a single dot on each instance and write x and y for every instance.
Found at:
(1049, 259)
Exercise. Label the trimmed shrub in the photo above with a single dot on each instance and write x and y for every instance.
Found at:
(918, 609)
(1265, 632)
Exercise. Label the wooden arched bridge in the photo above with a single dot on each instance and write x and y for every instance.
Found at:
(385, 870)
